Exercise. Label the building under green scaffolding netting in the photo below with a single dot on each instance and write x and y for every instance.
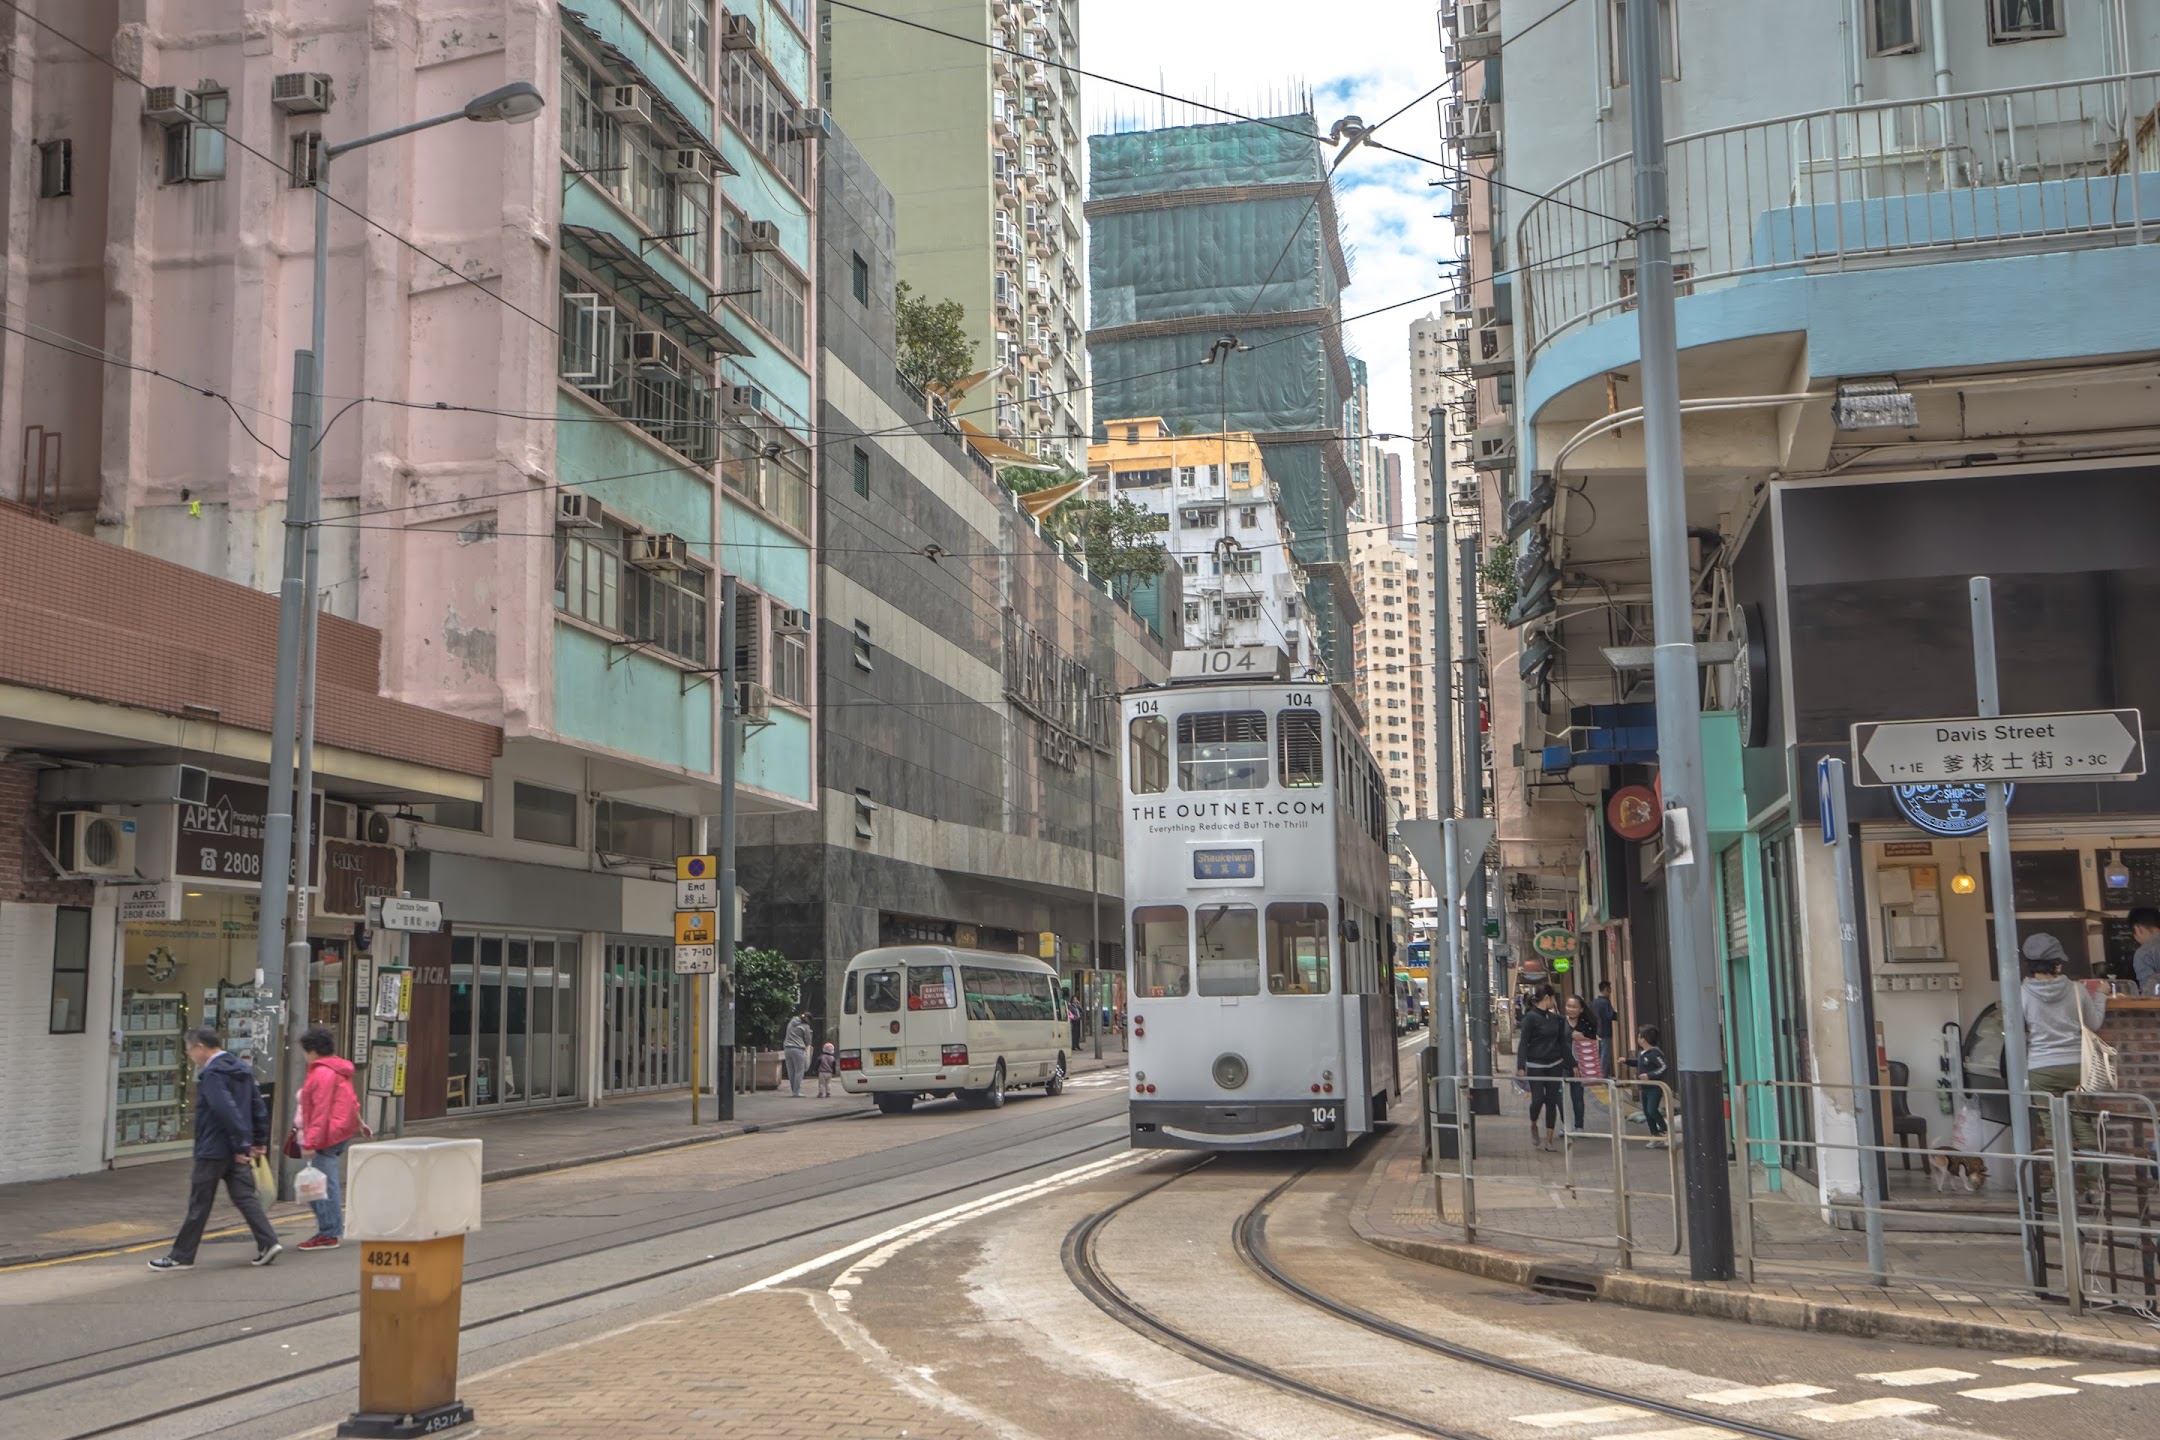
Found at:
(1204, 230)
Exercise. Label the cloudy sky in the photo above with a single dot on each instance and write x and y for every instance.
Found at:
(1251, 55)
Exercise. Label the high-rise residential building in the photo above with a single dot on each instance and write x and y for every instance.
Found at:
(1394, 677)
(977, 133)
(1359, 451)
(1217, 272)
(1223, 530)
(587, 346)
(1391, 490)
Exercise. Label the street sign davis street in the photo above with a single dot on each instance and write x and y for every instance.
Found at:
(2082, 745)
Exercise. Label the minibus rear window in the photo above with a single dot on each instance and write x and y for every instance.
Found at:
(847, 995)
(930, 987)
(881, 991)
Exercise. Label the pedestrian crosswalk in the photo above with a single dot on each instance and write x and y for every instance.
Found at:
(1596, 1422)
(1097, 1080)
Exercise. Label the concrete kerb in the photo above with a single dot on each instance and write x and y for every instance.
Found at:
(1732, 1302)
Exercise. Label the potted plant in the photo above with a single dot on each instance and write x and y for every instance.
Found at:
(767, 991)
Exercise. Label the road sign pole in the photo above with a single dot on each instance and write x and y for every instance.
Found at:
(2002, 897)
(724, 976)
(697, 1012)
(1867, 1108)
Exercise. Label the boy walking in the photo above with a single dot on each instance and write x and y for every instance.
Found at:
(1650, 1065)
(232, 1127)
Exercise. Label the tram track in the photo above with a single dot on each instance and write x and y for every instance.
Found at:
(1249, 1240)
(717, 1215)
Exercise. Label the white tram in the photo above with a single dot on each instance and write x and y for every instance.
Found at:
(1259, 978)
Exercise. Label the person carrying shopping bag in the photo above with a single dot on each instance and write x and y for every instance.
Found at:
(327, 1122)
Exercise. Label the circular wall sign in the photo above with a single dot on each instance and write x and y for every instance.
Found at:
(1951, 810)
(1633, 812)
(1751, 676)
(1554, 943)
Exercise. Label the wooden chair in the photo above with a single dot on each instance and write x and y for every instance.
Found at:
(1911, 1130)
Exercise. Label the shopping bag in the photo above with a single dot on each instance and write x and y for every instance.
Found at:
(265, 1177)
(2096, 1065)
(311, 1185)
(1965, 1136)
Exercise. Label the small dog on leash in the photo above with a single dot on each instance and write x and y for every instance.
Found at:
(1966, 1172)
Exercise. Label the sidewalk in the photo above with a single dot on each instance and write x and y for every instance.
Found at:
(1949, 1285)
(135, 1205)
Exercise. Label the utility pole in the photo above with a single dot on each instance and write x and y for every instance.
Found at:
(730, 746)
(1679, 703)
(1095, 700)
(1442, 968)
(1476, 949)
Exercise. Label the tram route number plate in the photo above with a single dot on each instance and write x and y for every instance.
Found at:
(884, 1057)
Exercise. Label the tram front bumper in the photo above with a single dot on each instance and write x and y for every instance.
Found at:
(1253, 1125)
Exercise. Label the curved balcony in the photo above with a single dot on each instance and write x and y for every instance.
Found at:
(2019, 171)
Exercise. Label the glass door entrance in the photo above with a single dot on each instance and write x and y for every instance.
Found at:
(513, 1020)
(645, 1006)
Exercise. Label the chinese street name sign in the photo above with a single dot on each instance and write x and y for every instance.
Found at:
(2083, 745)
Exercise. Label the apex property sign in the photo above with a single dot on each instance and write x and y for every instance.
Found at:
(221, 838)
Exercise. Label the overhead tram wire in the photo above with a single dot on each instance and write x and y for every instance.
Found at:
(68, 345)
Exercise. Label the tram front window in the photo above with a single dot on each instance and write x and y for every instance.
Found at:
(1301, 753)
(1297, 948)
(1150, 755)
(1162, 951)
(881, 991)
(1222, 750)
(1229, 944)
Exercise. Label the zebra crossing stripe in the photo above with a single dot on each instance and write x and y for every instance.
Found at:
(2034, 1362)
(1883, 1407)
(1933, 1375)
(2123, 1379)
(2026, 1390)
(1750, 1394)
(1596, 1415)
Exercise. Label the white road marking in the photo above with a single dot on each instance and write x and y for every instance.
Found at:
(2027, 1390)
(1596, 1415)
(1749, 1394)
(1049, 1182)
(1883, 1407)
(1685, 1432)
(2035, 1362)
(2123, 1379)
(1933, 1375)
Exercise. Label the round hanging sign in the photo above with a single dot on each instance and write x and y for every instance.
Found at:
(1554, 943)
(1951, 810)
(1633, 812)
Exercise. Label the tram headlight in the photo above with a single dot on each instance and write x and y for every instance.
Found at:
(1230, 1071)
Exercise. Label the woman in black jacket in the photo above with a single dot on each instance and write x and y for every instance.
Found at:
(1541, 1056)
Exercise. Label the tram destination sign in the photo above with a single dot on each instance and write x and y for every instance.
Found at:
(2080, 745)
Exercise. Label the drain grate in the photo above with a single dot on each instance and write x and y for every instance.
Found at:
(1561, 1285)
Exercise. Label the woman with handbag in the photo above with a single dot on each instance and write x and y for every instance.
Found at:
(2058, 1016)
(327, 1122)
(1541, 1056)
(1585, 1061)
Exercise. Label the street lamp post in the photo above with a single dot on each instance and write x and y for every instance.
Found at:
(286, 848)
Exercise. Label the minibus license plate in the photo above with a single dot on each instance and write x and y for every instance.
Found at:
(884, 1057)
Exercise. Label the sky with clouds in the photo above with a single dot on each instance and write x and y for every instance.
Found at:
(1363, 57)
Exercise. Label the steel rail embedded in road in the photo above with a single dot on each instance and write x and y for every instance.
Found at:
(1249, 1236)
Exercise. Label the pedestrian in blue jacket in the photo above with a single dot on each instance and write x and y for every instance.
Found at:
(232, 1127)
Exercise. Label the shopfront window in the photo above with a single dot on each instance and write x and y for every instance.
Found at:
(176, 974)
(513, 1020)
(70, 970)
(647, 1011)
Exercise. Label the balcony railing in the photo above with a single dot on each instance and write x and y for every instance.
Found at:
(1907, 182)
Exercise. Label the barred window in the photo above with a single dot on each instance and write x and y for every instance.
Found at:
(773, 295)
(669, 611)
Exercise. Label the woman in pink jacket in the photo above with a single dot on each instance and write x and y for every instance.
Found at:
(328, 1119)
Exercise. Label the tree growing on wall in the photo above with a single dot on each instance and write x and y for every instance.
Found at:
(935, 353)
(1116, 536)
(767, 993)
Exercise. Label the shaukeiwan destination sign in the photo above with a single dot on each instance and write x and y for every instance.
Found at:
(2082, 745)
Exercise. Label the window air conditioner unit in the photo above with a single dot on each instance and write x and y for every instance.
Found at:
(575, 510)
(761, 235)
(1477, 29)
(378, 827)
(630, 102)
(791, 622)
(738, 32)
(811, 123)
(753, 702)
(744, 400)
(1494, 452)
(88, 843)
(1495, 351)
(168, 105)
(653, 350)
(657, 552)
(692, 164)
(303, 92)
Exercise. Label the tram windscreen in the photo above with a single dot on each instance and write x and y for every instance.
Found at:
(1162, 951)
(1300, 752)
(1222, 750)
(1297, 948)
(1150, 755)
(1229, 946)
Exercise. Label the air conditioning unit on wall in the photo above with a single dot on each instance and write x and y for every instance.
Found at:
(88, 843)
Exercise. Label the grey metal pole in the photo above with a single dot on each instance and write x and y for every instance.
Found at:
(1867, 1111)
(1442, 613)
(1443, 967)
(1448, 1022)
(701, 1030)
(1475, 951)
(2002, 901)
(1679, 703)
(1094, 868)
(729, 748)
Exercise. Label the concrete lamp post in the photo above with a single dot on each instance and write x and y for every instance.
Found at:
(286, 856)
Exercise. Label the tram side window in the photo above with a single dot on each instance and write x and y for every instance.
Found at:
(1229, 945)
(881, 991)
(1150, 755)
(1300, 753)
(1297, 948)
(930, 987)
(1222, 750)
(1162, 951)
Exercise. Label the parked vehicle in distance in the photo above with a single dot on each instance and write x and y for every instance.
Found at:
(928, 1021)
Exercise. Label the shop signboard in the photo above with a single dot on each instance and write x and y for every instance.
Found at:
(354, 872)
(138, 904)
(2075, 745)
(220, 838)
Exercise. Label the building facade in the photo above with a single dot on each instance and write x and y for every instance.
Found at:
(978, 138)
(1859, 442)
(587, 347)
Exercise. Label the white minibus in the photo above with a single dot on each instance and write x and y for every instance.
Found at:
(928, 1021)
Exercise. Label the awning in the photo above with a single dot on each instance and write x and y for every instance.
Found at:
(992, 448)
(605, 254)
(1039, 503)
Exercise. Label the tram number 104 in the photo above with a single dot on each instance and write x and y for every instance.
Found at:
(1323, 1115)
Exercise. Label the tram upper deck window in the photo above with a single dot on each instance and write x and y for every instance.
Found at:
(1229, 945)
(881, 991)
(1222, 750)
(1162, 951)
(1150, 755)
(1300, 753)
(1297, 948)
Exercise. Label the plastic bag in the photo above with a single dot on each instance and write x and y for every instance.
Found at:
(265, 1177)
(1965, 1135)
(311, 1185)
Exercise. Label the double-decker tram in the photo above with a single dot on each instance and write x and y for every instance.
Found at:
(1260, 981)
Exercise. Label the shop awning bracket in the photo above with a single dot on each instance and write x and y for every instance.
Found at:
(691, 679)
(624, 649)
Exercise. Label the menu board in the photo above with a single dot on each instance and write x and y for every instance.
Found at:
(2042, 880)
(2144, 888)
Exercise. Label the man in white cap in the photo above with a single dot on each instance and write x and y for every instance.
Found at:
(2057, 1013)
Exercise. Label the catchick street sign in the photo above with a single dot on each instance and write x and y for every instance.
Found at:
(2082, 745)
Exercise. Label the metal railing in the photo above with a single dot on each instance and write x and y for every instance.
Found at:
(1905, 182)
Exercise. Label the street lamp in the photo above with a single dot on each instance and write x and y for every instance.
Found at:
(286, 857)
